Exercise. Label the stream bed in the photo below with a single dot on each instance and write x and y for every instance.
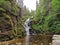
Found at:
(30, 40)
(34, 40)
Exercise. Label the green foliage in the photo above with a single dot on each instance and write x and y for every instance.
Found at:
(8, 20)
(56, 5)
(26, 14)
(46, 19)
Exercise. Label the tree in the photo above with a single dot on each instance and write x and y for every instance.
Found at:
(8, 16)
(46, 19)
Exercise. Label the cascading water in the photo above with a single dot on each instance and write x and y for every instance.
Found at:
(27, 27)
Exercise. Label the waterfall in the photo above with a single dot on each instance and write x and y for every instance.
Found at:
(27, 27)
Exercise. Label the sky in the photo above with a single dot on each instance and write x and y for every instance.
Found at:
(30, 4)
